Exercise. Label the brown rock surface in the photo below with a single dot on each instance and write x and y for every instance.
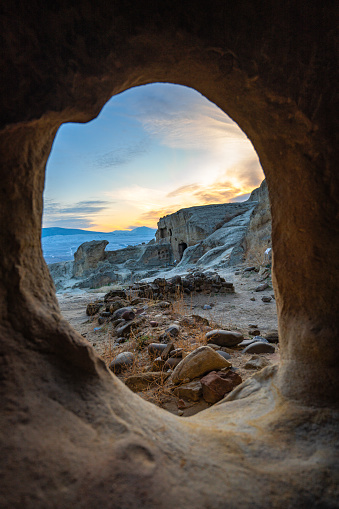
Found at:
(216, 384)
(74, 435)
(197, 363)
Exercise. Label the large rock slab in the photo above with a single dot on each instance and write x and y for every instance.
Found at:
(224, 338)
(199, 362)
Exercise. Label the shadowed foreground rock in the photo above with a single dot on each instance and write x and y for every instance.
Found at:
(72, 434)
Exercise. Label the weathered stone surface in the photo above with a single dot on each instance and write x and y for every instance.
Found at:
(256, 362)
(272, 336)
(266, 299)
(223, 354)
(158, 364)
(118, 304)
(176, 353)
(254, 332)
(112, 294)
(191, 391)
(224, 338)
(92, 309)
(156, 349)
(130, 315)
(258, 235)
(88, 255)
(166, 352)
(145, 381)
(216, 384)
(273, 67)
(126, 328)
(172, 363)
(122, 361)
(197, 363)
(173, 330)
(259, 347)
(261, 287)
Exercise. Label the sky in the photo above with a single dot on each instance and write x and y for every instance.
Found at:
(151, 151)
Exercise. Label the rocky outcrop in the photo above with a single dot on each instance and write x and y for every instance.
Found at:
(210, 236)
(258, 234)
(94, 267)
(87, 257)
(188, 227)
(243, 234)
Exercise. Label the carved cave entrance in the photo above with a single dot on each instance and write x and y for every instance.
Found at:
(181, 248)
(75, 417)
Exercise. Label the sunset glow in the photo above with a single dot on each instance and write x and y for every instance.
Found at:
(152, 151)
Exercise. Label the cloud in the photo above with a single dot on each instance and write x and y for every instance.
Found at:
(122, 155)
(85, 207)
(180, 118)
(76, 215)
(155, 215)
(182, 190)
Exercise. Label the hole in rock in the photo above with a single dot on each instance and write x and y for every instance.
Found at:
(181, 248)
(161, 171)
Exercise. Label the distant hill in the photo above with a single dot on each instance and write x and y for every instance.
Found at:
(49, 232)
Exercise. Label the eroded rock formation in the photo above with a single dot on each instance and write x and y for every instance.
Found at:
(72, 434)
(188, 227)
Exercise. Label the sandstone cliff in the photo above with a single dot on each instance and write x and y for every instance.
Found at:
(188, 227)
(210, 236)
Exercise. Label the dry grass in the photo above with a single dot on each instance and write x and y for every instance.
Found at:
(191, 336)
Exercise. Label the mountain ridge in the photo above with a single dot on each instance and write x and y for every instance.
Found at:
(55, 230)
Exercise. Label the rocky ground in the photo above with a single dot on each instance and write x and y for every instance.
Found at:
(189, 375)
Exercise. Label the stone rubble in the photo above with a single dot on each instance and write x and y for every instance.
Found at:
(183, 356)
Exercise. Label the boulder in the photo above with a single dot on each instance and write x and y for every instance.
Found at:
(266, 299)
(199, 362)
(172, 363)
(87, 256)
(145, 381)
(191, 391)
(125, 330)
(166, 352)
(117, 304)
(155, 349)
(216, 384)
(125, 313)
(92, 309)
(272, 336)
(259, 347)
(121, 362)
(173, 330)
(256, 362)
(261, 287)
(223, 354)
(115, 293)
(224, 337)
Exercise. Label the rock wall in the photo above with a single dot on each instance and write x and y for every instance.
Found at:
(259, 232)
(94, 267)
(188, 227)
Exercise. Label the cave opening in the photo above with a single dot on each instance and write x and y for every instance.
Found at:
(181, 248)
(64, 413)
